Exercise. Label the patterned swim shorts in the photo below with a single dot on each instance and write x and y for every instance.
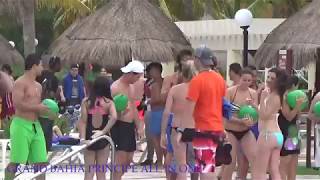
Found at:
(205, 152)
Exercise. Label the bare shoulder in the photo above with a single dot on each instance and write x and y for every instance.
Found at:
(20, 81)
(114, 84)
(108, 101)
(114, 87)
(38, 85)
(231, 89)
(252, 91)
(178, 86)
(174, 89)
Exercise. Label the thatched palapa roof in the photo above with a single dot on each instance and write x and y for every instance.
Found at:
(120, 31)
(300, 32)
(10, 7)
(9, 55)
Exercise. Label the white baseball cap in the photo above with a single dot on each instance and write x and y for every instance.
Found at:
(134, 66)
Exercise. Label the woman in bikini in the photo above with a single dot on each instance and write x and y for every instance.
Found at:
(270, 139)
(238, 130)
(98, 115)
(288, 120)
(178, 105)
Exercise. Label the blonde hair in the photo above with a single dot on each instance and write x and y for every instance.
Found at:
(188, 71)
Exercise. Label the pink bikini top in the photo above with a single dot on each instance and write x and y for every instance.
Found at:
(98, 109)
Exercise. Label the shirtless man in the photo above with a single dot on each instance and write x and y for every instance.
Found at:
(123, 132)
(234, 73)
(26, 135)
(168, 82)
(173, 79)
(179, 106)
(157, 107)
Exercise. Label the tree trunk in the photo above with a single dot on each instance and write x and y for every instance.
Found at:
(28, 23)
(188, 9)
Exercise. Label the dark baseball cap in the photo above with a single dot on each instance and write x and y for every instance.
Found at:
(205, 56)
(74, 66)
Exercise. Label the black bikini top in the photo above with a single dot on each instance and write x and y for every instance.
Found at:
(234, 96)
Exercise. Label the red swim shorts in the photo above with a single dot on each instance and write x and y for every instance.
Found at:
(205, 152)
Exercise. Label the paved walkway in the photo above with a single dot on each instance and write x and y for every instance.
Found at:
(138, 176)
(139, 173)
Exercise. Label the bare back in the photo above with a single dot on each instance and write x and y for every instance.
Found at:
(119, 87)
(27, 91)
(239, 97)
(180, 107)
(268, 113)
(168, 82)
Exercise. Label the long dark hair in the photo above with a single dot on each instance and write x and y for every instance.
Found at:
(292, 81)
(281, 81)
(101, 88)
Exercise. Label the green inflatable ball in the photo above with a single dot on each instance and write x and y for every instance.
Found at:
(250, 111)
(316, 109)
(52, 105)
(294, 95)
(120, 102)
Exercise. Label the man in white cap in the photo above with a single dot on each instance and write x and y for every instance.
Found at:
(123, 132)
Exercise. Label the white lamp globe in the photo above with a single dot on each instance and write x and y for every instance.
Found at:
(243, 17)
(35, 42)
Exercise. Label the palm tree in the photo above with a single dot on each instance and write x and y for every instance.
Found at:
(68, 10)
(220, 9)
(27, 18)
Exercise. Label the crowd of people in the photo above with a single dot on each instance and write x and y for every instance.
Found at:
(181, 115)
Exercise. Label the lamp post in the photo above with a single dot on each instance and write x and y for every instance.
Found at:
(244, 19)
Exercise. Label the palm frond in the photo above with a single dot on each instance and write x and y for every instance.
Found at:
(77, 6)
(165, 9)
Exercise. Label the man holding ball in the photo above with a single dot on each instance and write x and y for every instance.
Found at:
(26, 135)
(123, 131)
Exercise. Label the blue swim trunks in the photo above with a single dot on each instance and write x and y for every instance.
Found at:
(168, 134)
(155, 122)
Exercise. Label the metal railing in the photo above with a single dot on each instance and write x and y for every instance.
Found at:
(63, 158)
